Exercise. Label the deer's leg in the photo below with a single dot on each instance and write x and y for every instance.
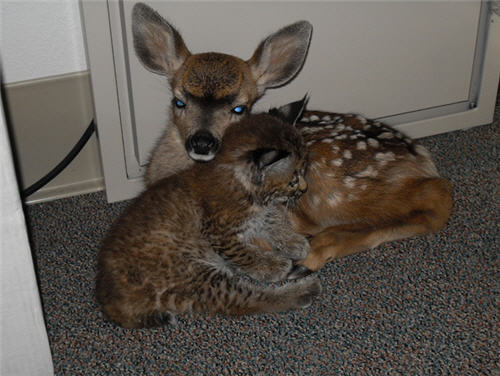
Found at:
(427, 204)
(344, 240)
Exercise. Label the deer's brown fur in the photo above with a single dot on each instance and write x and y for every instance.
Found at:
(361, 193)
(368, 184)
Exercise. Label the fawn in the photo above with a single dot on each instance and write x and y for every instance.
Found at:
(368, 183)
(210, 90)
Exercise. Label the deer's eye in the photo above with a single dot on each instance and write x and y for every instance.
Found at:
(178, 103)
(238, 110)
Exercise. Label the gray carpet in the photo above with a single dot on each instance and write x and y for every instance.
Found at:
(420, 306)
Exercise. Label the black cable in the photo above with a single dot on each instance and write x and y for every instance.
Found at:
(62, 165)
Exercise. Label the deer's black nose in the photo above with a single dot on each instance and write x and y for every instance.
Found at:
(202, 143)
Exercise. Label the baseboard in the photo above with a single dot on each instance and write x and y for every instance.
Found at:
(46, 117)
(63, 191)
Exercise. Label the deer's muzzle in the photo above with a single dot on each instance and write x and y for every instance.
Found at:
(202, 146)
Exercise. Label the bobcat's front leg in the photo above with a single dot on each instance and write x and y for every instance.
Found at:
(275, 245)
(258, 259)
(284, 239)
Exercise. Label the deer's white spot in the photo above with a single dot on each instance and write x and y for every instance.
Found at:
(399, 135)
(326, 118)
(361, 119)
(341, 137)
(353, 137)
(311, 130)
(339, 128)
(337, 162)
(385, 135)
(305, 119)
(373, 143)
(349, 181)
(368, 172)
(315, 167)
(385, 157)
(361, 145)
(347, 154)
(363, 187)
(314, 118)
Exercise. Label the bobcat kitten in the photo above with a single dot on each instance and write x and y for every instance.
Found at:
(184, 243)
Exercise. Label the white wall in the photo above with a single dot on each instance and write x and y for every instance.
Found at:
(43, 62)
(40, 38)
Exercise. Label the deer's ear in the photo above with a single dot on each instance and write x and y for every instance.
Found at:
(280, 56)
(157, 44)
(291, 112)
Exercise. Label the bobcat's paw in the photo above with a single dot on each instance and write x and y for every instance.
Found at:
(296, 248)
(298, 271)
(271, 269)
(307, 291)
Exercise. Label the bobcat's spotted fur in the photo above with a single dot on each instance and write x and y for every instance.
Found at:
(185, 242)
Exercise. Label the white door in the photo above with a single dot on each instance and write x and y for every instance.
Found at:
(24, 347)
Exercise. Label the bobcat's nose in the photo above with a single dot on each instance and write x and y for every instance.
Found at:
(202, 146)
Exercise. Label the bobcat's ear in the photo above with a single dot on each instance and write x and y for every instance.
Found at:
(291, 112)
(268, 162)
(265, 158)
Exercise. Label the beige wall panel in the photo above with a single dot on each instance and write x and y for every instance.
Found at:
(46, 119)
